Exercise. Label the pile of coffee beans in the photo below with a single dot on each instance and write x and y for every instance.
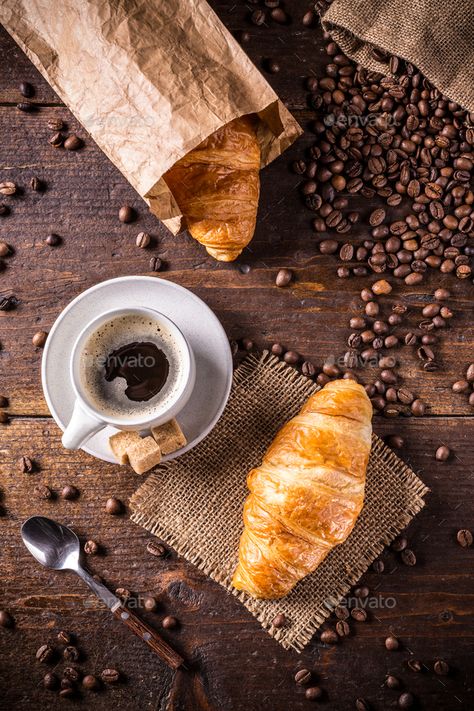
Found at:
(392, 137)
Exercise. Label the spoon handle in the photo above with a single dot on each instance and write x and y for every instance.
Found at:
(148, 635)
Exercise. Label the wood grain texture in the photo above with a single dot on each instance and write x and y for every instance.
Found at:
(234, 665)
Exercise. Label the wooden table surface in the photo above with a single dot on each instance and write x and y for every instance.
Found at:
(234, 664)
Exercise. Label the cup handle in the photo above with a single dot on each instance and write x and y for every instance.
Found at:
(80, 428)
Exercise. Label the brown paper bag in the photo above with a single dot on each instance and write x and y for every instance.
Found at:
(149, 80)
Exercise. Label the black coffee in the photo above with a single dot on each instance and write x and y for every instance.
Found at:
(144, 367)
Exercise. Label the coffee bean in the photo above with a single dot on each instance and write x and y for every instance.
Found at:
(26, 89)
(346, 252)
(91, 547)
(341, 612)
(464, 538)
(26, 106)
(73, 143)
(376, 217)
(329, 637)
(460, 386)
(127, 214)
(114, 506)
(4, 210)
(67, 692)
(415, 665)
(39, 339)
(90, 682)
(41, 491)
(408, 557)
(7, 188)
(64, 637)
(308, 369)
(313, 693)
(149, 603)
(4, 419)
(442, 294)
(124, 594)
(36, 184)
(392, 682)
(26, 465)
(279, 620)
(110, 676)
(45, 654)
(284, 277)
(72, 674)
(6, 620)
(442, 453)
(50, 681)
(362, 705)
(441, 668)
(69, 492)
(381, 287)
(143, 240)
(155, 264)
(392, 643)
(258, 17)
(156, 549)
(342, 628)
(378, 566)
(418, 408)
(53, 240)
(169, 622)
(71, 654)
(425, 353)
(406, 700)
(292, 357)
(303, 677)
(57, 139)
(5, 249)
(359, 614)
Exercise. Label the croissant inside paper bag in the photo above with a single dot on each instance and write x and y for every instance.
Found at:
(217, 185)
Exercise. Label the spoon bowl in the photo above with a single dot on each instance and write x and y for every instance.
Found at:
(50, 543)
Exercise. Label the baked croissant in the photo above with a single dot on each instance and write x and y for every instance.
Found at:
(216, 186)
(308, 491)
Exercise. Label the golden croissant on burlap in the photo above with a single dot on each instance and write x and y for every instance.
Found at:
(216, 186)
(308, 491)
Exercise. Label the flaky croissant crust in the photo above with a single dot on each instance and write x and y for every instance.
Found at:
(307, 493)
(217, 185)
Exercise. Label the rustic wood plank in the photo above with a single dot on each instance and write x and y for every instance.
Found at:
(237, 665)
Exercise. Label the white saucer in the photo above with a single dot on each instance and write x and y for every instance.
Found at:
(199, 325)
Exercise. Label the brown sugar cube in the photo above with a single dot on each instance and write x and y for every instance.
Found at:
(120, 442)
(169, 437)
(144, 455)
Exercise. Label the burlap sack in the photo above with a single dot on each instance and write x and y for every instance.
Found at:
(437, 36)
(195, 502)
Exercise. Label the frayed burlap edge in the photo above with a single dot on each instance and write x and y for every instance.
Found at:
(264, 610)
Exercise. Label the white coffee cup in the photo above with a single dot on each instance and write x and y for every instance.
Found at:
(87, 419)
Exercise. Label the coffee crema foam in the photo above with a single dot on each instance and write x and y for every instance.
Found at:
(109, 398)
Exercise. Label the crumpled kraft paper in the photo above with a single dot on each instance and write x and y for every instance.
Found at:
(149, 80)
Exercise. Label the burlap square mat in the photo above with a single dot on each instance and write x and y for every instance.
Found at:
(195, 502)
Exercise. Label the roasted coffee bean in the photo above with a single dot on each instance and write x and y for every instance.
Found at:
(36, 184)
(391, 342)
(4, 210)
(57, 139)
(155, 264)
(277, 349)
(460, 386)
(143, 240)
(396, 442)
(6, 620)
(72, 674)
(114, 506)
(55, 124)
(91, 547)
(149, 603)
(381, 287)
(50, 681)
(378, 566)
(328, 246)
(372, 308)
(4, 419)
(392, 643)
(342, 628)
(425, 353)
(405, 396)
(406, 700)
(67, 692)
(415, 665)
(258, 17)
(90, 682)
(65, 637)
(71, 654)
(442, 453)
(341, 612)
(127, 214)
(26, 106)
(376, 217)
(169, 622)
(346, 253)
(292, 357)
(73, 143)
(53, 240)
(303, 677)
(357, 322)
(329, 637)
(442, 294)
(418, 408)
(308, 369)
(411, 338)
(408, 557)
(279, 620)
(399, 544)
(7, 188)
(45, 654)
(464, 538)
(313, 693)
(470, 373)
(156, 549)
(39, 339)
(284, 277)
(41, 491)
(26, 465)
(362, 705)
(110, 676)
(441, 668)
(392, 682)
(359, 614)
(26, 89)
(69, 492)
